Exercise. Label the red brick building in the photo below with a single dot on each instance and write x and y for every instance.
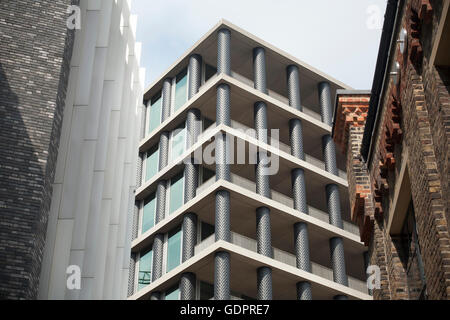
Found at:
(396, 140)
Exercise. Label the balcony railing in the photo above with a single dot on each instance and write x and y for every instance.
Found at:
(286, 148)
(280, 198)
(284, 257)
(275, 95)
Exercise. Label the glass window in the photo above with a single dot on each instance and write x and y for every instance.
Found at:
(152, 163)
(145, 269)
(154, 112)
(176, 192)
(207, 123)
(178, 142)
(206, 291)
(173, 293)
(180, 90)
(207, 174)
(174, 249)
(149, 212)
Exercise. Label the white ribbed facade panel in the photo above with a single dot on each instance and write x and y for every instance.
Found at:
(89, 224)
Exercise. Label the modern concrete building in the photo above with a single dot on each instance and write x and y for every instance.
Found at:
(70, 107)
(213, 219)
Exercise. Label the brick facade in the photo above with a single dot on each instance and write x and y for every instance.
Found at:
(412, 129)
(35, 52)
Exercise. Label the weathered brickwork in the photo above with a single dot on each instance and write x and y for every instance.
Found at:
(414, 128)
(35, 52)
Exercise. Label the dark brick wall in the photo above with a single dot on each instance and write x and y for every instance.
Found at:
(414, 120)
(35, 52)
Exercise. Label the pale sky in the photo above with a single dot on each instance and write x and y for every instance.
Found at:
(338, 37)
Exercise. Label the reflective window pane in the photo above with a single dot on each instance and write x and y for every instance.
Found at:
(173, 293)
(151, 164)
(145, 270)
(176, 193)
(148, 215)
(174, 249)
(178, 143)
(181, 90)
(154, 113)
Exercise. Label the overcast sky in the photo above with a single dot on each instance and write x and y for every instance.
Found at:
(338, 37)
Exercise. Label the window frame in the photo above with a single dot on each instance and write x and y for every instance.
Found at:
(174, 90)
(166, 248)
(150, 103)
(169, 194)
(141, 214)
(171, 137)
(144, 164)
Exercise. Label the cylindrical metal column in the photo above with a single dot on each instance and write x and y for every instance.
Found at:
(131, 275)
(161, 190)
(193, 126)
(296, 138)
(166, 99)
(189, 235)
(259, 69)
(223, 105)
(338, 261)
(158, 244)
(329, 154)
(301, 236)
(334, 205)
(222, 214)
(326, 108)
(224, 51)
(302, 246)
(222, 276)
(332, 190)
(293, 82)
(299, 190)
(264, 275)
(222, 219)
(263, 235)
(187, 286)
(195, 74)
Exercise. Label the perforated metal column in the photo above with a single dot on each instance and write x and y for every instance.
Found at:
(195, 74)
(329, 154)
(222, 214)
(189, 235)
(296, 138)
(222, 165)
(163, 150)
(264, 275)
(299, 190)
(293, 82)
(222, 276)
(131, 274)
(223, 105)
(304, 291)
(222, 220)
(259, 69)
(224, 51)
(334, 205)
(166, 99)
(301, 242)
(158, 244)
(161, 190)
(325, 103)
(187, 286)
(338, 261)
(193, 126)
(301, 236)
(134, 232)
(263, 233)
